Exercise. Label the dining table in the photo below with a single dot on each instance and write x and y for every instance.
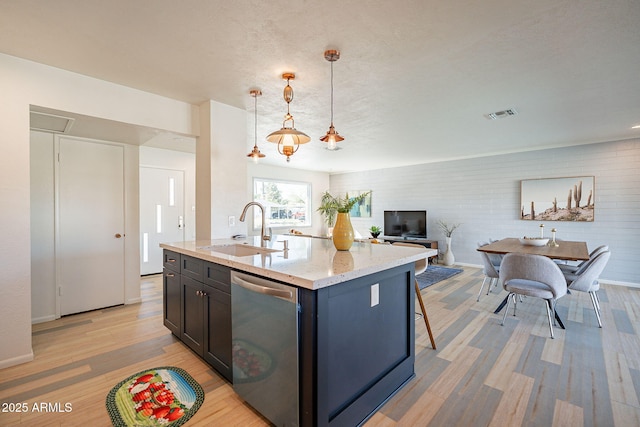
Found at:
(564, 250)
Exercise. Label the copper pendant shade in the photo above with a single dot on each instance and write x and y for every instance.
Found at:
(288, 138)
(332, 138)
(255, 154)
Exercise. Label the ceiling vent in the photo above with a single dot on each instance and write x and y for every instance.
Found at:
(501, 114)
(50, 122)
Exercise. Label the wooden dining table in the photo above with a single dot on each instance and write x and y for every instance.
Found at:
(566, 250)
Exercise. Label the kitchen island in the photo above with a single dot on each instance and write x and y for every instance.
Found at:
(354, 323)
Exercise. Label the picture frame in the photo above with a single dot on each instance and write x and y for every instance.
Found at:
(362, 209)
(558, 199)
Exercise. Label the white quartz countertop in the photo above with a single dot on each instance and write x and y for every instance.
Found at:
(311, 263)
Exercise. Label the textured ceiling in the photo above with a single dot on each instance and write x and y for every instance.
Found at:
(413, 84)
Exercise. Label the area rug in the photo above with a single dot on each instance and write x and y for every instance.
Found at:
(165, 396)
(435, 274)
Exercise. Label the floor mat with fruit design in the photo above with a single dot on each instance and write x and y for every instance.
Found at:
(166, 396)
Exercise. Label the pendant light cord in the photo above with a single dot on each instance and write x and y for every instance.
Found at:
(331, 93)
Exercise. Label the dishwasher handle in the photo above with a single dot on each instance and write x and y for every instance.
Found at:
(265, 290)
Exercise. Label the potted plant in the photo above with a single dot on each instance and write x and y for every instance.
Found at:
(448, 258)
(332, 207)
(327, 210)
(375, 231)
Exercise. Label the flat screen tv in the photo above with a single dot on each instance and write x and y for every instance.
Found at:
(406, 224)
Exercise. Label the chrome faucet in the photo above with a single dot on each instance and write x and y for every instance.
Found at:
(264, 237)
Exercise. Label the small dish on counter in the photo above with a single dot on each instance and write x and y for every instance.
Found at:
(534, 241)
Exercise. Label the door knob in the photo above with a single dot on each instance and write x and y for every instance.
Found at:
(118, 235)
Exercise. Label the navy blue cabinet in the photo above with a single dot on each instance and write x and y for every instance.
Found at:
(355, 354)
(171, 302)
(197, 307)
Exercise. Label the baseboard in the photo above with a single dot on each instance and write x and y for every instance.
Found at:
(133, 300)
(43, 319)
(16, 360)
(464, 264)
(619, 283)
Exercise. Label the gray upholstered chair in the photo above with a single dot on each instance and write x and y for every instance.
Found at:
(421, 267)
(577, 269)
(490, 270)
(586, 280)
(535, 276)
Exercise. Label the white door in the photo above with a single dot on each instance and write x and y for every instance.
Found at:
(161, 214)
(90, 225)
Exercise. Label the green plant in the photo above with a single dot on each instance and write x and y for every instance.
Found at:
(375, 229)
(446, 228)
(331, 205)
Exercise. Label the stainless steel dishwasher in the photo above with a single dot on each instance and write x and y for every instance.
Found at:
(264, 321)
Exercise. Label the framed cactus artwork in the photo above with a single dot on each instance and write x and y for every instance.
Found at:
(558, 199)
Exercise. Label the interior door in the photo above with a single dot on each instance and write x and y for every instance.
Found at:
(161, 214)
(90, 225)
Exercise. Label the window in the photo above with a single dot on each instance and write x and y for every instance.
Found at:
(286, 203)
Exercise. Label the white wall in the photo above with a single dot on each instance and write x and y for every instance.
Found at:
(24, 83)
(484, 195)
(221, 164)
(43, 269)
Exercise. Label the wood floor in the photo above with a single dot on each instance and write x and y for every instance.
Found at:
(482, 374)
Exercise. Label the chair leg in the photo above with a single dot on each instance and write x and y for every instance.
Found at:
(596, 307)
(549, 309)
(596, 299)
(424, 315)
(490, 284)
(482, 287)
(506, 309)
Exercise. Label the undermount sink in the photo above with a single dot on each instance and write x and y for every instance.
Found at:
(239, 249)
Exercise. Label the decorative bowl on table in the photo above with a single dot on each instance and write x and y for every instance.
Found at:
(534, 241)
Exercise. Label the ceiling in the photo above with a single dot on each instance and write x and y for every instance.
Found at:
(414, 84)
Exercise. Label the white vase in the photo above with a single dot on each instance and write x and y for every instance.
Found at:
(448, 258)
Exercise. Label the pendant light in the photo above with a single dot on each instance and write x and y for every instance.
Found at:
(332, 138)
(288, 138)
(255, 154)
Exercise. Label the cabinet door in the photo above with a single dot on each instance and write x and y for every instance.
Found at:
(217, 350)
(192, 328)
(171, 300)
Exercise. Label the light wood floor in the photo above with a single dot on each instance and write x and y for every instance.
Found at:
(482, 374)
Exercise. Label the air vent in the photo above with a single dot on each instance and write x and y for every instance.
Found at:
(501, 114)
(50, 122)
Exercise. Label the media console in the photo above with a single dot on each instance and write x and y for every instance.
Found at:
(432, 244)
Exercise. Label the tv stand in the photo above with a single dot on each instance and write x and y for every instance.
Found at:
(432, 244)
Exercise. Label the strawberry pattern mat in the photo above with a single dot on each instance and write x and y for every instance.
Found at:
(165, 396)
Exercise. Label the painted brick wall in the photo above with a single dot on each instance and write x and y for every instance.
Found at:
(484, 195)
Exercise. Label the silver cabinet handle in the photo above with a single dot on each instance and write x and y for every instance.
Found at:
(171, 275)
(280, 293)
